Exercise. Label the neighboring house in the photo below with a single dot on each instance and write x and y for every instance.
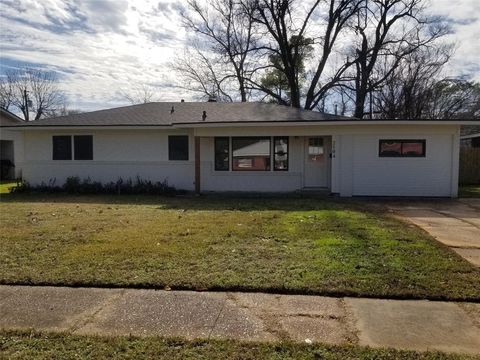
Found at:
(246, 147)
(11, 146)
(470, 136)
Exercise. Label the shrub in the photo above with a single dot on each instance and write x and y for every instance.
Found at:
(74, 185)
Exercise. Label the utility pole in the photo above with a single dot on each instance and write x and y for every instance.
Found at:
(25, 97)
(371, 104)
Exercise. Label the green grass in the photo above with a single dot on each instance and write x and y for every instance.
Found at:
(6, 185)
(25, 345)
(289, 245)
(469, 191)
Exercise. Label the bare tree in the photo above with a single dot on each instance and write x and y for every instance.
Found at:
(266, 44)
(407, 92)
(289, 40)
(227, 26)
(63, 110)
(6, 93)
(454, 98)
(204, 74)
(388, 32)
(34, 91)
(287, 24)
(288, 50)
(340, 15)
(139, 94)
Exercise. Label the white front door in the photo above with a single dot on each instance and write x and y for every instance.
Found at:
(317, 161)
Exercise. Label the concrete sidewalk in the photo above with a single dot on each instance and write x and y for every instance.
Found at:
(455, 223)
(415, 325)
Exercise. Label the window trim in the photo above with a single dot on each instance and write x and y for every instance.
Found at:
(169, 147)
(287, 138)
(216, 138)
(269, 138)
(402, 141)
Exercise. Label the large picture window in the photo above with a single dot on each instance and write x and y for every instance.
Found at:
(62, 147)
(83, 147)
(251, 153)
(280, 148)
(222, 153)
(178, 147)
(402, 148)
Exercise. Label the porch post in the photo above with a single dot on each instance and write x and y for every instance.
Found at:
(197, 165)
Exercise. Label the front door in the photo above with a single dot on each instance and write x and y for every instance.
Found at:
(317, 160)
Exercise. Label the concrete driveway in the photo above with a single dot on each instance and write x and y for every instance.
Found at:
(455, 223)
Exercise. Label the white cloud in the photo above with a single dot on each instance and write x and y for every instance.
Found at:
(100, 47)
(464, 17)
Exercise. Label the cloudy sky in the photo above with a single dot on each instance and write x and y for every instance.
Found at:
(101, 48)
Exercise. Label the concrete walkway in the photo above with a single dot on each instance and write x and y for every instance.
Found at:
(415, 325)
(455, 223)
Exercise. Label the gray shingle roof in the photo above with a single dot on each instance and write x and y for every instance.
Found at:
(159, 113)
(8, 119)
(470, 130)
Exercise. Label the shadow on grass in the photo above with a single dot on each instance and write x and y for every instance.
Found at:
(295, 201)
(243, 202)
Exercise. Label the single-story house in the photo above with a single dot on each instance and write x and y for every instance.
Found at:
(11, 145)
(252, 147)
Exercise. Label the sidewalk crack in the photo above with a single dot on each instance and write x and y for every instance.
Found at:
(218, 317)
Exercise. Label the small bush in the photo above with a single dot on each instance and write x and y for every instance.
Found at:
(74, 185)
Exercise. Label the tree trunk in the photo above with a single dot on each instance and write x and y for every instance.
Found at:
(361, 96)
(243, 93)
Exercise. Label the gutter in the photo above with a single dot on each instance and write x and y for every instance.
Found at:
(251, 124)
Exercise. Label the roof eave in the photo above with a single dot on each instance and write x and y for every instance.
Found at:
(248, 123)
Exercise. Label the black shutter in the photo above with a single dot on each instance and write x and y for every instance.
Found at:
(83, 147)
(62, 147)
(178, 147)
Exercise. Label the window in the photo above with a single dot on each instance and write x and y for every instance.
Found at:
(251, 153)
(178, 147)
(222, 153)
(62, 147)
(402, 148)
(83, 147)
(280, 149)
(315, 149)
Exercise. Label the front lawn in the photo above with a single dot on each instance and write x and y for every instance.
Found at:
(318, 246)
(6, 185)
(24, 345)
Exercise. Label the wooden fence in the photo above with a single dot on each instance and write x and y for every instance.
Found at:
(469, 165)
